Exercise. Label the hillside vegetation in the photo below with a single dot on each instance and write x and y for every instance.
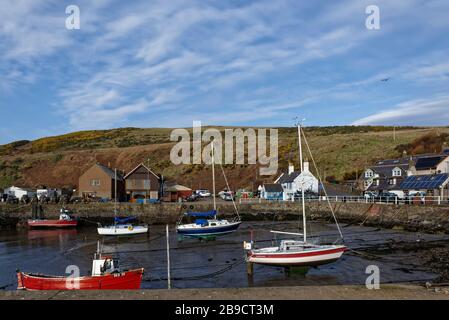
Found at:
(340, 152)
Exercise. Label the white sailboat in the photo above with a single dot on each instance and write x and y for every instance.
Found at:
(296, 252)
(206, 223)
(120, 227)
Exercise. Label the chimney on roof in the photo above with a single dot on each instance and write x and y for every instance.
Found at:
(306, 166)
(411, 168)
(291, 168)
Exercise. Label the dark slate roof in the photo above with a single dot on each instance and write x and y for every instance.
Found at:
(385, 185)
(387, 171)
(429, 162)
(273, 187)
(110, 172)
(394, 162)
(287, 178)
(428, 181)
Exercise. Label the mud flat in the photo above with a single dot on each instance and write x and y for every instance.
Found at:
(389, 292)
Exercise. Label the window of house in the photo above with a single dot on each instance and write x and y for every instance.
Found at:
(94, 182)
(368, 173)
(397, 173)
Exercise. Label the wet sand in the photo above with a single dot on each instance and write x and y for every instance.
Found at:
(386, 292)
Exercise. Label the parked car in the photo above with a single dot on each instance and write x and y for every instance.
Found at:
(25, 199)
(12, 199)
(192, 197)
(386, 197)
(76, 200)
(228, 196)
(370, 195)
(308, 195)
(203, 193)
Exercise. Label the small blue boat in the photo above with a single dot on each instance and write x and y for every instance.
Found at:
(206, 224)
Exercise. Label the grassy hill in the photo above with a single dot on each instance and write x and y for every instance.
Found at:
(340, 153)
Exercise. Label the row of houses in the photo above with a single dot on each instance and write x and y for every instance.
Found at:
(141, 184)
(427, 173)
(138, 185)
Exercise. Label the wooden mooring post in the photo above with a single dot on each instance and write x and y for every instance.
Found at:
(249, 268)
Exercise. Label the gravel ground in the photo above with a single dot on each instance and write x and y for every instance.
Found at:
(389, 292)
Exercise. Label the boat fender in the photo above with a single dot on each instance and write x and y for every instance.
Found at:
(191, 207)
(130, 228)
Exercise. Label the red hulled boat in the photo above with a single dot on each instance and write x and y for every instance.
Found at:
(64, 221)
(105, 276)
(44, 223)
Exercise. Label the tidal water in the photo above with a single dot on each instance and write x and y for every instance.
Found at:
(214, 263)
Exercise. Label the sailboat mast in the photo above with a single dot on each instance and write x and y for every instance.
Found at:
(213, 178)
(304, 226)
(115, 196)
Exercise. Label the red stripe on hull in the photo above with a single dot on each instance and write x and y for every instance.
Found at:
(128, 280)
(301, 264)
(296, 254)
(52, 223)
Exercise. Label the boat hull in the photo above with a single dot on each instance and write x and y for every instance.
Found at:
(208, 230)
(44, 223)
(127, 280)
(122, 230)
(314, 257)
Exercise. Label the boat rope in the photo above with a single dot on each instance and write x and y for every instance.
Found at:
(198, 277)
(89, 221)
(227, 186)
(321, 182)
(3, 287)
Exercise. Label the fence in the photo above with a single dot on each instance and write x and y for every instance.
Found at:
(416, 200)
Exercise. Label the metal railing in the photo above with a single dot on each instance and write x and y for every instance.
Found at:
(415, 200)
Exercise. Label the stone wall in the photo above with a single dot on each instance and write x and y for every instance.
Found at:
(410, 217)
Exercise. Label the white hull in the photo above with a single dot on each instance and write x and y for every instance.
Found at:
(307, 257)
(122, 230)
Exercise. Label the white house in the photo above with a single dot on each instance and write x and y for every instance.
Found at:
(19, 192)
(293, 181)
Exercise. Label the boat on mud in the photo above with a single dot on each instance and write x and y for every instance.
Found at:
(65, 221)
(292, 252)
(106, 275)
(120, 226)
(206, 224)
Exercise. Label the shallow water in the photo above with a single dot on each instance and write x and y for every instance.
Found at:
(215, 263)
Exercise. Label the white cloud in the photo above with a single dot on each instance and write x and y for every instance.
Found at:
(431, 111)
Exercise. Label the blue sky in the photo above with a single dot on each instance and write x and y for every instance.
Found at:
(243, 63)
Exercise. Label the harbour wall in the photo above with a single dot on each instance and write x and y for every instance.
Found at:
(422, 218)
